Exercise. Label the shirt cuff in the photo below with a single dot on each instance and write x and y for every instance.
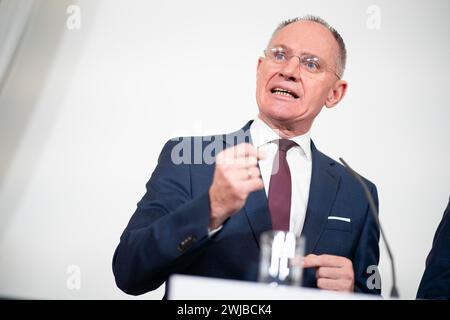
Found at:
(214, 231)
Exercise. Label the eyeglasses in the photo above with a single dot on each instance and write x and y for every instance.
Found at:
(309, 63)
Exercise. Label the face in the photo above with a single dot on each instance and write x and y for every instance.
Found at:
(310, 92)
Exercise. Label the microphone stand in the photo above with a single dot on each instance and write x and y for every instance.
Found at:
(394, 291)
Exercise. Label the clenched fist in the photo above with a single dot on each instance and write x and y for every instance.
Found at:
(235, 176)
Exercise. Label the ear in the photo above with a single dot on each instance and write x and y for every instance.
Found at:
(258, 66)
(337, 92)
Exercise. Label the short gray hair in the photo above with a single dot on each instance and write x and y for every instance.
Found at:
(342, 59)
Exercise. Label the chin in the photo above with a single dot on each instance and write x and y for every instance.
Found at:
(282, 113)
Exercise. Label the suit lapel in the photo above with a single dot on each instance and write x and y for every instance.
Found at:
(323, 189)
(255, 208)
(257, 212)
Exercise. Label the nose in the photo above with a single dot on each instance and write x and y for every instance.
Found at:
(291, 69)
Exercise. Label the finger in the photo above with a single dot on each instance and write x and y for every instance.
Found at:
(296, 261)
(336, 284)
(237, 162)
(335, 261)
(254, 184)
(248, 173)
(261, 154)
(242, 150)
(329, 284)
(229, 155)
(310, 261)
(325, 260)
(245, 162)
(333, 273)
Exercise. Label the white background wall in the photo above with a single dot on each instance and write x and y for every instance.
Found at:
(85, 112)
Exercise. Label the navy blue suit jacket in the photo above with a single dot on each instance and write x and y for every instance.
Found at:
(168, 233)
(435, 282)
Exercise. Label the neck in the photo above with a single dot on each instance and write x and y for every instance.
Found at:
(286, 129)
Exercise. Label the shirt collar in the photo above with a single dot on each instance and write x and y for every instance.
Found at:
(263, 134)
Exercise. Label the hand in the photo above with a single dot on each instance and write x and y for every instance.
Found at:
(236, 175)
(333, 272)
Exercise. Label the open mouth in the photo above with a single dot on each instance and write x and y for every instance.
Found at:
(284, 92)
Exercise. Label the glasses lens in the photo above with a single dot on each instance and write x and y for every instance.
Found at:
(309, 63)
(276, 54)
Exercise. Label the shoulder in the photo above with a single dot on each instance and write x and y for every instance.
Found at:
(202, 149)
(435, 283)
(193, 149)
(340, 171)
(442, 234)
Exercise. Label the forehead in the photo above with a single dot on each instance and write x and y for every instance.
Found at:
(307, 36)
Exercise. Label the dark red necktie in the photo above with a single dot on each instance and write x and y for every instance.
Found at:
(280, 187)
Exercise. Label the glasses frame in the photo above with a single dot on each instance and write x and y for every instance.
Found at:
(290, 56)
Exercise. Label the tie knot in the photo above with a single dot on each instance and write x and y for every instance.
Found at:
(285, 144)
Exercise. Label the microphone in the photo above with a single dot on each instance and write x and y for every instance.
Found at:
(394, 291)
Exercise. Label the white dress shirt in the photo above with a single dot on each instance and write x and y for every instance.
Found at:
(300, 166)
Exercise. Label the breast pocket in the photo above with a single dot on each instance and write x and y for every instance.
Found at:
(338, 225)
(336, 239)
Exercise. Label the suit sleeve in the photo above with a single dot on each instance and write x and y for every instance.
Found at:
(435, 283)
(167, 231)
(367, 255)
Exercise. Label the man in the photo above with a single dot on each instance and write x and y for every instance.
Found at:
(435, 282)
(206, 218)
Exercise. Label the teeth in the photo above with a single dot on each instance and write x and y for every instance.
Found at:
(282, 92)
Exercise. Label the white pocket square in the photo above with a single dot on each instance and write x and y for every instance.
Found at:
(340, 218)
